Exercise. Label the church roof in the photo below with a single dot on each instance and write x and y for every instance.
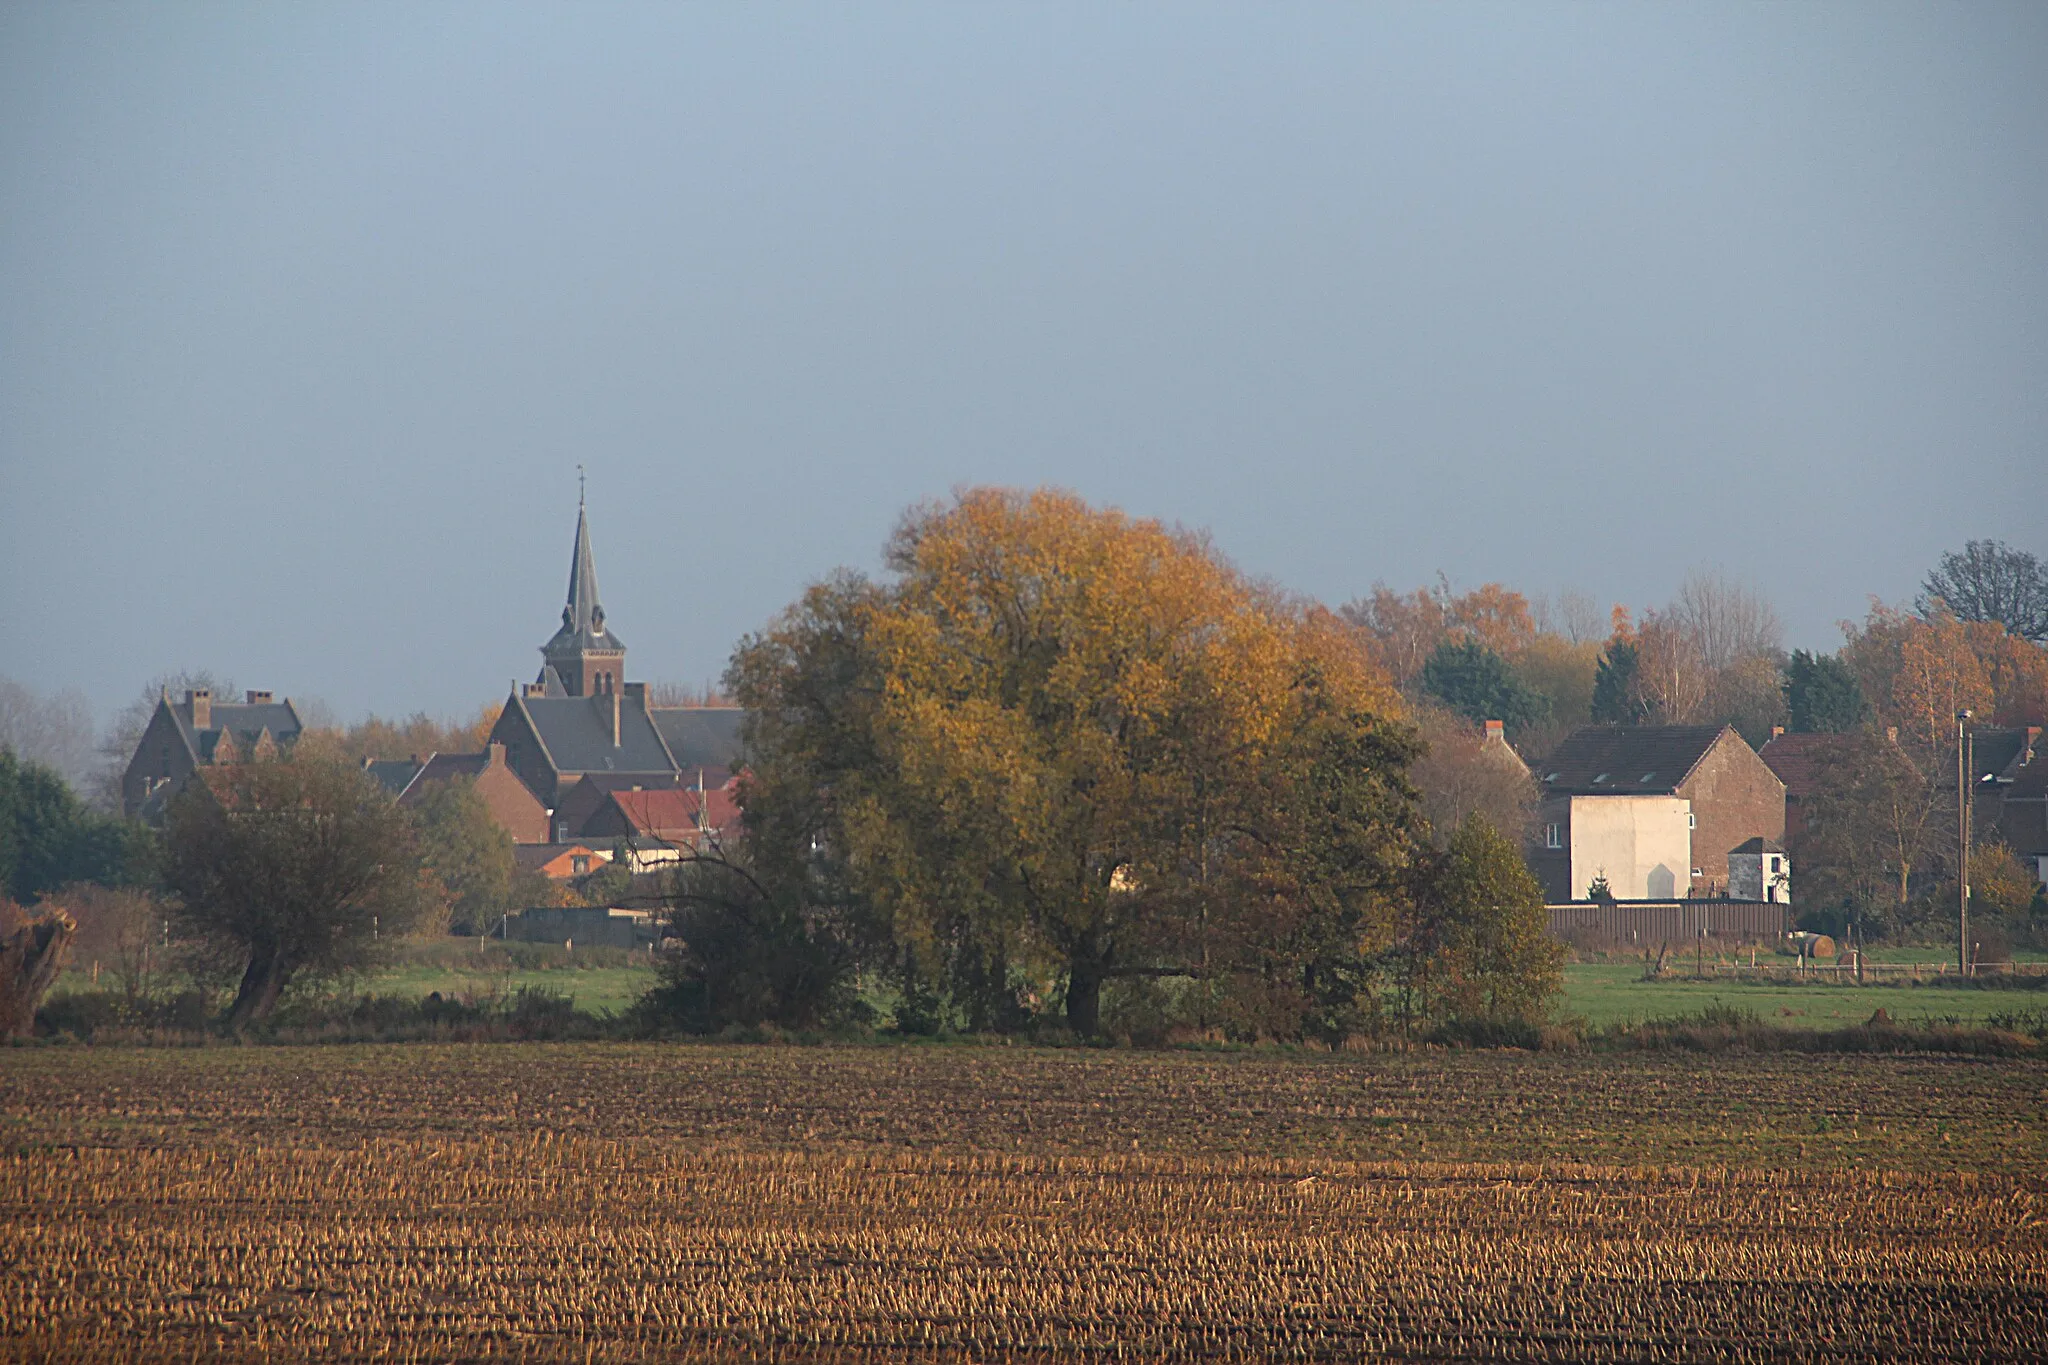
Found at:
(583, 625)
(701, 735)
(576, 734)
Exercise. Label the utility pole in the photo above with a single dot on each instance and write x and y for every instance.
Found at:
(1963, 842)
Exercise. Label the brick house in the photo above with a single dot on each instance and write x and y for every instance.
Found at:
(199, 732)
(1655, 809)
(510, 801)
(659, 825)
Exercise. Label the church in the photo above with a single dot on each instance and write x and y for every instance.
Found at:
(580, 731)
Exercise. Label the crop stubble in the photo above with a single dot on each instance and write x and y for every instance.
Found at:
(984, 1204)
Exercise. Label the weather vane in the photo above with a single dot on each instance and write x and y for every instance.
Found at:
(579, 485)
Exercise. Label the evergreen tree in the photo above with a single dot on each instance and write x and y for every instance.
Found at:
(48, 837)
(1480, 685)
(1823, 695)
(1617, 697)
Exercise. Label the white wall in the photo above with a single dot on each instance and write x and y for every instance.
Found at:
(1641, 844)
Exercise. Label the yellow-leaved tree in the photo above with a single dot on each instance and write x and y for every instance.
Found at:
(1066, 746)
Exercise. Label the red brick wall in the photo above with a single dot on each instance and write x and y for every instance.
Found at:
(1734, 796)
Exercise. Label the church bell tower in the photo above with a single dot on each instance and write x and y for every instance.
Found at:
(584, 659)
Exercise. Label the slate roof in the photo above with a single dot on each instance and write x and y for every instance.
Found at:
(393, 774)
(1758, 844)
(576, 733)
(1997, 752)
(1796, 760)
(1626, 760)
(448, 767)
(583, 624)
(702, 735)
(245, 720)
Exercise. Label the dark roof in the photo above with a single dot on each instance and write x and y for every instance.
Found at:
(1758, 844)
(1626, 760)
(448, 767)
(576, 732)
(2031, 782)
(1796, 760)
(392, 774)
(1997, 752)
(583, 624)
(702, 735)
(246, 721)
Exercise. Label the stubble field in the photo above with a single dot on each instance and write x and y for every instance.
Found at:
(640, 1202)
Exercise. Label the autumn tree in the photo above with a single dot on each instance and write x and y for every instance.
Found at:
(1874, 815)
(1460, 773)
(1054, 737)
(121, 930)
(291, 869)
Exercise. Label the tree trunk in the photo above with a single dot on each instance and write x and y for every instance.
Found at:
(262, 983)
(29, 961)
(1084, 999)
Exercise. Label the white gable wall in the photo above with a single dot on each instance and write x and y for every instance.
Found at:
(1641, 844)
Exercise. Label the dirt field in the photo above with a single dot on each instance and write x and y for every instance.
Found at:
(641, 1202)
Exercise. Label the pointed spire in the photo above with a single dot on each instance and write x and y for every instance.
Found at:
(583, 612)
(584, 657)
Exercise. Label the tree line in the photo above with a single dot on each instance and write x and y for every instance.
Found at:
(1061, 765)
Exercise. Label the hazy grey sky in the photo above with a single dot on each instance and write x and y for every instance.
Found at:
(307, 314)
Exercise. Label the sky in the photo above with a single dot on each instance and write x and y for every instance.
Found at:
(309, 313)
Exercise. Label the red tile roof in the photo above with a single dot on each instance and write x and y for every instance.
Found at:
(672, 813)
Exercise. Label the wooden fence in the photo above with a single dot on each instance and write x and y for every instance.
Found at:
(1641, 924)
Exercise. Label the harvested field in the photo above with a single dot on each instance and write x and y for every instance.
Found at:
(970, 1204)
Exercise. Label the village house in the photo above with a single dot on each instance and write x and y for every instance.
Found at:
(1653, 810)
(662, 827)
(198, 732)
(510, 801)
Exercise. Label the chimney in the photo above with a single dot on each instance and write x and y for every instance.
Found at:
(200, 699)
(1496, 730)
(257, 698)
(494, 755)
(1776, 731)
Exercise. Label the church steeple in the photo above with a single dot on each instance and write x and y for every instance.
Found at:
(584, 656)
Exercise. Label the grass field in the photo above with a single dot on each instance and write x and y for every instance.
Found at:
(1599, 992)
(648, 1201)
(1608, 993)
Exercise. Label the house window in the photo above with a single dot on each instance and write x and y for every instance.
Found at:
(579, 865)
(1774, 862)
(1553, 836)
(561, 831)
(1692, 821)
